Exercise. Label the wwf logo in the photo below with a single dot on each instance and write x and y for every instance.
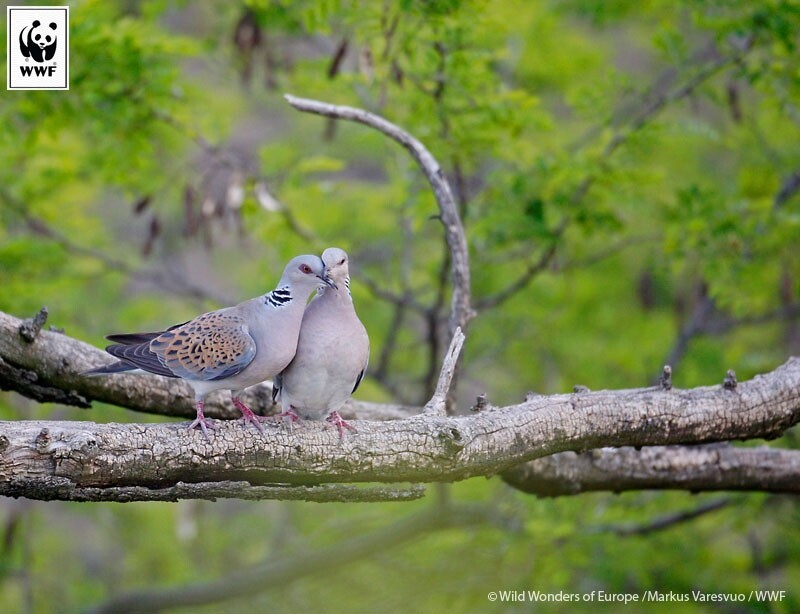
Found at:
(38, 47)
(38, 42)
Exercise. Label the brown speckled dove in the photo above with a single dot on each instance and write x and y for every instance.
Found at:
(332, 353)
(228, 349)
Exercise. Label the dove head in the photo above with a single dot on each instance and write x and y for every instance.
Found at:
(305, 272)
(336, 261)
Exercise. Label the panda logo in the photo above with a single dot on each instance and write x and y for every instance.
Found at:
(39, 42)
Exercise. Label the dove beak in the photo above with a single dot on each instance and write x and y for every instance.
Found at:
(328, 281)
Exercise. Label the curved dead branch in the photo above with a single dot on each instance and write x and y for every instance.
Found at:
(461, 311)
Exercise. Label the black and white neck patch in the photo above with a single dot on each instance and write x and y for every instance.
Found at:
(280, 297)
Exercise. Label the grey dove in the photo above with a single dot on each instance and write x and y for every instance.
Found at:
(227, 349)
(332, 352)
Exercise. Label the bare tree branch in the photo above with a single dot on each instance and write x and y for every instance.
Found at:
(531, 271)
(423, 448)
(637, 119)
(694, 468)
(437, 406)
(461, 311)
(666, 521)
(405, 300)
(706, 319)
(63, 489)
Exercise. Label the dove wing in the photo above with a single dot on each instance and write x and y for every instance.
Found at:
(213, 346)
(363, 372)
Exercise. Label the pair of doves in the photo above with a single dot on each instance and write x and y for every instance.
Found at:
(315, 354)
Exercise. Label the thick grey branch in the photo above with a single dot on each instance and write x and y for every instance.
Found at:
(64, 489)
(693, 468)
(422, 448)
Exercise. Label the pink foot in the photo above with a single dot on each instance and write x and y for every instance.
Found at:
(201, 421)
(335, 419)
(290, 414)
(248, 415)
(289, 417)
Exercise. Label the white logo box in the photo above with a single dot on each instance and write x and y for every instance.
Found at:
(38, 47)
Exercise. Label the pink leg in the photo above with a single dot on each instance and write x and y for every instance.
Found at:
(335, 419)
(248, 414)
(201, 421)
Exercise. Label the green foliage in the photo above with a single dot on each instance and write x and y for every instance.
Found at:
(637, 156)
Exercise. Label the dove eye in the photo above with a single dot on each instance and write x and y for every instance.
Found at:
(342, 261)
(305, 269)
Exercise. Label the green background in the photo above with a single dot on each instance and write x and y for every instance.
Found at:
(630, 168)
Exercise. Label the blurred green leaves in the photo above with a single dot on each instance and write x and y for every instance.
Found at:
(637, 157)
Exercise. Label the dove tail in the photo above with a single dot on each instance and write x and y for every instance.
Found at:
(139, 357)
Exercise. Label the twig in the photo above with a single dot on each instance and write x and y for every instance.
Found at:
(185, 130)
(389, 342)
(730, 382)
(703, 311)
(547, 259)
(789, 188)
(707, 320)
(618, 139)
(651, 109)
(665, 381)
(533, 269)
(401, 304)
(405, 300)
(666, 521)
(30, 327)
(437, 406)
(297, 228)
